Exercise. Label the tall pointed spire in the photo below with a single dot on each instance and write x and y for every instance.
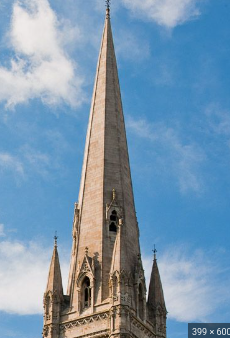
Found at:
(106, 293)
(106, 167)
(106, 153)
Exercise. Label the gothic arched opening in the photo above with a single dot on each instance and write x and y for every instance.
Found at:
(86, 293)
(113, 221)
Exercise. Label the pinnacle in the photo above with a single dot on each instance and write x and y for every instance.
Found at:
(55, 279)
(156, 295)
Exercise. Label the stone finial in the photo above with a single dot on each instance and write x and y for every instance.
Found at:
(154, 253)
(107, 3)
(55, 239)
(114, 194)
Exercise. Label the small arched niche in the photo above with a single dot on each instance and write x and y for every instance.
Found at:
(113, 221)
(115, 286)
(86, 293)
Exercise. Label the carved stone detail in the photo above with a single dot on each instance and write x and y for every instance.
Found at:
(84, 321)
(142, 327)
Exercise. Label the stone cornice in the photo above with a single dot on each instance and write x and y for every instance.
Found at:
(84, 320)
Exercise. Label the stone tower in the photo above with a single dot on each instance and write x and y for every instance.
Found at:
(106, 294)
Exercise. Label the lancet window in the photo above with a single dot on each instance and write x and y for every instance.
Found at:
(113, 221)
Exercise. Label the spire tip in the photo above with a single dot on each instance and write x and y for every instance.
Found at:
(55, 239)
(107, 4)
(155, 253)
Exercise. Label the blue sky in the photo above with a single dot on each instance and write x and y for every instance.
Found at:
(174, 66)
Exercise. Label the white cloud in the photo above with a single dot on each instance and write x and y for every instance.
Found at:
(168, 13)
(172, 155)
(40, 68)
(193, 292)
(9, 162)
(23, 276)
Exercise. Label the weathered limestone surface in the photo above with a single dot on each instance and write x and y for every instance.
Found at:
(106, 294)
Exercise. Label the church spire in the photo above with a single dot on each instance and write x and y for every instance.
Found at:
(106, 293)
(106, 168)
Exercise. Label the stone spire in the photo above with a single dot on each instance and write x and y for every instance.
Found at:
(156, 304)
(54, 283)
(105, 169)
(106, 295)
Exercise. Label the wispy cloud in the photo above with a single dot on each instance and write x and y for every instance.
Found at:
(218, 120)
(168, 13)
(130, 42)
(40, 67)
(24, 270)
(9, 162)
(25, 161)
(35, 160)
(182, 159)
(193, 292)
(29, 160)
